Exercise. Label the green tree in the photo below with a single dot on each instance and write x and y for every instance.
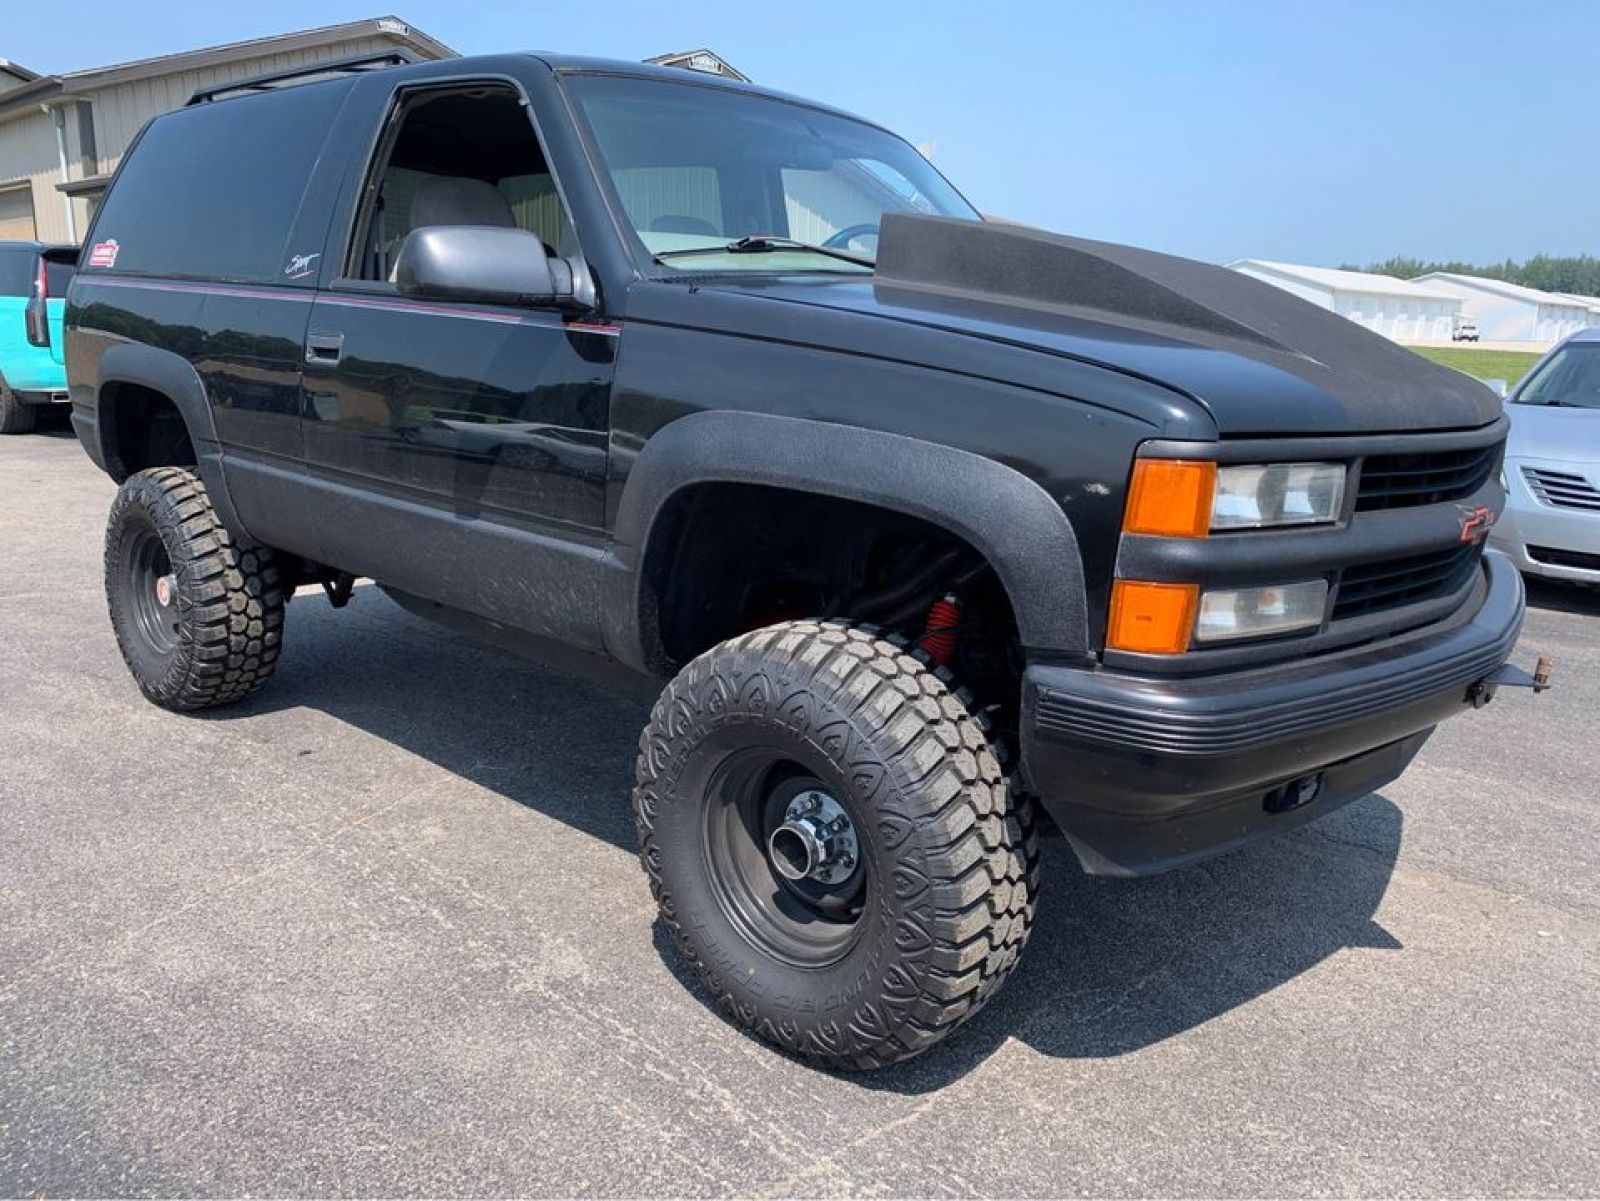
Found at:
(1578, 273)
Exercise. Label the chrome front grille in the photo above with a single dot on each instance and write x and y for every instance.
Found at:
(1562, 489)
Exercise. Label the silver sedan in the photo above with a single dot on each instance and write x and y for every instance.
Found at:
(1551, 525)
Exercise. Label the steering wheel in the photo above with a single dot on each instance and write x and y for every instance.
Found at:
(842, 239)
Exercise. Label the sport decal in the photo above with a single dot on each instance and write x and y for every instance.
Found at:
(301, 266)
(104, 254)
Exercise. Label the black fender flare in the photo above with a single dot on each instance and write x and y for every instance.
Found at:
(1004, 515)
(175, 378)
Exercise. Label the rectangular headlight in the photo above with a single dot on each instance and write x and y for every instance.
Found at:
(1256, 496)
(1227, 613)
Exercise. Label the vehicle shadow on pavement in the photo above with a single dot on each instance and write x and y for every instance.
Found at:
(55, 422)
(551, 740)
(1113, 966)
(1562, 598)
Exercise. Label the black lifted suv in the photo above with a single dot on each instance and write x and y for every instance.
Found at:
(921, 518)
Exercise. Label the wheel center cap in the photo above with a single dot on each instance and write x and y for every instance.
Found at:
(816, 840)
(165, 590)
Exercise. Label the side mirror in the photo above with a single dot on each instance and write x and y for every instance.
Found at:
(483, 263)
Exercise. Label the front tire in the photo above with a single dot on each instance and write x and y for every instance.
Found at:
(198, 614)
(16, 417)
(832, 844)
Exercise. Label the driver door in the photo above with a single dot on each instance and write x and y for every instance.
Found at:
(448, 424)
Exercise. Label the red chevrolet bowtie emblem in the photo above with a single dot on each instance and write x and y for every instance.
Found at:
(1475, 523)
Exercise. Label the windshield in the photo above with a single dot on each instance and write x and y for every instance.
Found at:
(695, 169)
(1570, 377)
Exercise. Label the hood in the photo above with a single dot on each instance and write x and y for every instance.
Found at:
(1555, 432)
(1259, 360)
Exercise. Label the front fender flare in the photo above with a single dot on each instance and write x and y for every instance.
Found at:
(1004, 515)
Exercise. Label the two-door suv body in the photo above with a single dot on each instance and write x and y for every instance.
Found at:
(921, 517)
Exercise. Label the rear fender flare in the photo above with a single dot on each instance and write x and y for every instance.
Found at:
(175, 378)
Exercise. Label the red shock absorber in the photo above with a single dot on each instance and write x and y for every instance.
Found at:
(939, 634)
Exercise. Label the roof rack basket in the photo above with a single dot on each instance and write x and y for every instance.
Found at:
(306, 74)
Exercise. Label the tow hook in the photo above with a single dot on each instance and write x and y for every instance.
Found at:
(1511, 676)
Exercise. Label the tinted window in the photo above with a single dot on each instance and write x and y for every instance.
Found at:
(212, 191)
(56, 278)
(16, 270)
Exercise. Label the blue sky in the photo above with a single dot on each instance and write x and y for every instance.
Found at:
(1319, 132)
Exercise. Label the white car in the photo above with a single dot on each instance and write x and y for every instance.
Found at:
(1551, 524)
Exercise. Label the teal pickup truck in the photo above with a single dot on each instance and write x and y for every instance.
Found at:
(33, 283)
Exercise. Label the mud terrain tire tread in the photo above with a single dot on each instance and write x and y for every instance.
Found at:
(229, 594)
(967, 849)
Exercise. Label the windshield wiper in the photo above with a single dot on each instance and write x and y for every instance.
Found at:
(762, 243)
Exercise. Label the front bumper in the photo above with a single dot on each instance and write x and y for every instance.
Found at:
(1144, 774)
(1542, 540)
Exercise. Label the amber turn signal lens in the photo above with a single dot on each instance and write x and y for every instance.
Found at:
(1171, 497)
(1154, 619)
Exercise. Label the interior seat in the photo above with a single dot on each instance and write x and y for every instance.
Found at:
(458, 200)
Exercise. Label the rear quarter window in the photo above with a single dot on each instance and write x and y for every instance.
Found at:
(57, 276)
(211, 192)
(16, 270)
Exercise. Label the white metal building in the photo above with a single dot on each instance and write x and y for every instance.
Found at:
(61, 136)
(1591, 305)
(1512, 313)
(1396, 308)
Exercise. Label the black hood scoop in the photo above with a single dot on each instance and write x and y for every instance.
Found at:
(1375, 382)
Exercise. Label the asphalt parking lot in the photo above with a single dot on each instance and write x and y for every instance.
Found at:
(381, 930)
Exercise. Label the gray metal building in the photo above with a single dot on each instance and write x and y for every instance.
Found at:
(61, 136)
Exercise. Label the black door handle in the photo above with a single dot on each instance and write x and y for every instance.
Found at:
(324, 348)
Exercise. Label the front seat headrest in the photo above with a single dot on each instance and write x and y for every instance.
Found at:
(452, 200)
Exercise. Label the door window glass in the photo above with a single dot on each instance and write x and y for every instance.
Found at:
(467, 157)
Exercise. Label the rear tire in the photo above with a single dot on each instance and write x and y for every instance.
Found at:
(198, 614)
(16, 417)
(910, 933)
